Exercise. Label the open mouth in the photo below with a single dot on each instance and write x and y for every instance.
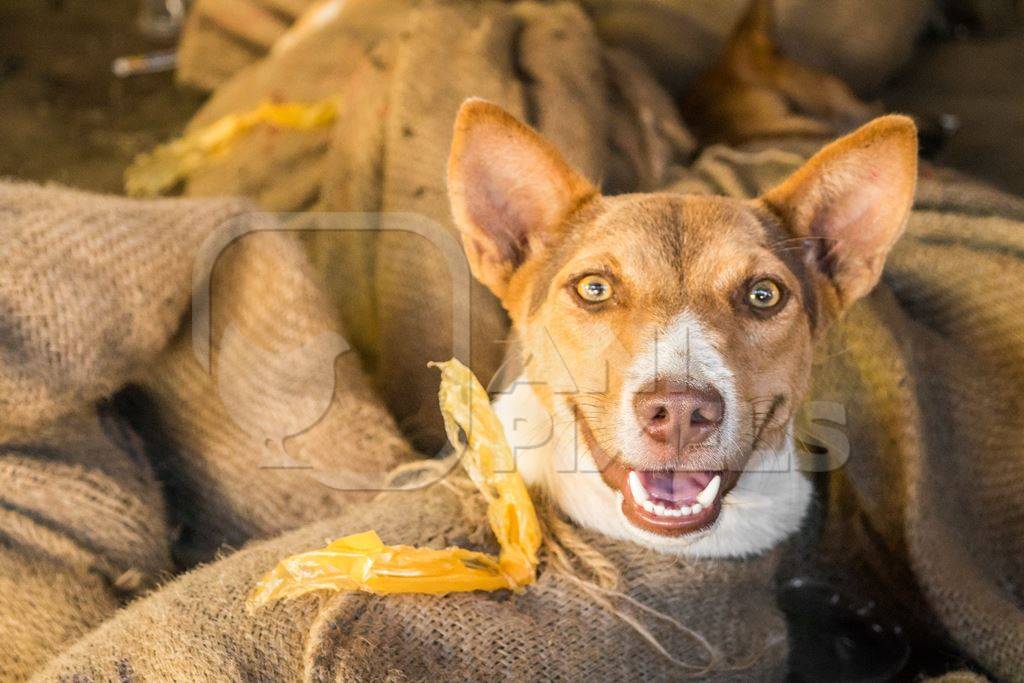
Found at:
(666, 502)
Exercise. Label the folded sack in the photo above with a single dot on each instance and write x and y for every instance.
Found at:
(258, 422)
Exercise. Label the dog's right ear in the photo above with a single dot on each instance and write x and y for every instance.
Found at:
(510, 191)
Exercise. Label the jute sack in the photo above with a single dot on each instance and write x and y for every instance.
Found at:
(82, 529)
(272, 423)
(929, 373)
(92, 289)
(863, 43)
(82, 518)
(959, 677)
(256, 420)
(222, 36)
(554, 630)
(399, 72)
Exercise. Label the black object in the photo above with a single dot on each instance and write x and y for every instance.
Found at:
(934, 133)
(837, 639)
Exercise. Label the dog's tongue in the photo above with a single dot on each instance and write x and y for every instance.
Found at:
(675, 487)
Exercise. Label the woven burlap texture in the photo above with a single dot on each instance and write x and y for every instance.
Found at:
(553, 631)
(269, 434)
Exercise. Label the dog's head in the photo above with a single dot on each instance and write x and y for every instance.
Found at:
(668, 338)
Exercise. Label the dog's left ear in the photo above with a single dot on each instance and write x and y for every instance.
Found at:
(510, 191)
(851, 201)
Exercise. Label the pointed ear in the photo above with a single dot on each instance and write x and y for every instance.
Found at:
(851, 201)
(510, 190)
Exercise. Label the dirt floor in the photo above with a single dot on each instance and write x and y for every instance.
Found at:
(63, 114)
(65, 117)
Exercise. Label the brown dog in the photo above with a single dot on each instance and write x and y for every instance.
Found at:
(668, 338)
(754, 92)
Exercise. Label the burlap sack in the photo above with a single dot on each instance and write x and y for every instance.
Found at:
(402, 70)
(929, 373)
(257, 423)
(959, 677)
(283, 410)
(82, 528)
(199, 629)
(864, 43)
(91, 289)
(222, 36)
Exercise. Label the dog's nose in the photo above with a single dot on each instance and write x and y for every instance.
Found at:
(678, 415)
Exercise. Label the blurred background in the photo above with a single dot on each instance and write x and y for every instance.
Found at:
(66, 116)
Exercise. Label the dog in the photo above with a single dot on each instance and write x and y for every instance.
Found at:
(667, 339)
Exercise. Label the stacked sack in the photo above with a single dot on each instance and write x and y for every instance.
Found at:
(398, 72)
(248, 442)
(222, 36)
(863, 43)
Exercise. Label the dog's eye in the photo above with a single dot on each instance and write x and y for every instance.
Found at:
(594, 289)
(764, 294)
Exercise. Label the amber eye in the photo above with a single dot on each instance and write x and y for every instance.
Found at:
(594, 289)
(764, 294)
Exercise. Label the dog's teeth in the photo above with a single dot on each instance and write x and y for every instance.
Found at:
(636, 488)
(705, 499)
(707, 496)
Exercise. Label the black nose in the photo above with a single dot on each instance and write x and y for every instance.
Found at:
(678, 415)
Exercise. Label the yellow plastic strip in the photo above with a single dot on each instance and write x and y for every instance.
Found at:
(160, 170)
(489, 462)
(362, 561)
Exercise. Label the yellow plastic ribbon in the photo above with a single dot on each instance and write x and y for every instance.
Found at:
(158, 171)
(362, 561)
